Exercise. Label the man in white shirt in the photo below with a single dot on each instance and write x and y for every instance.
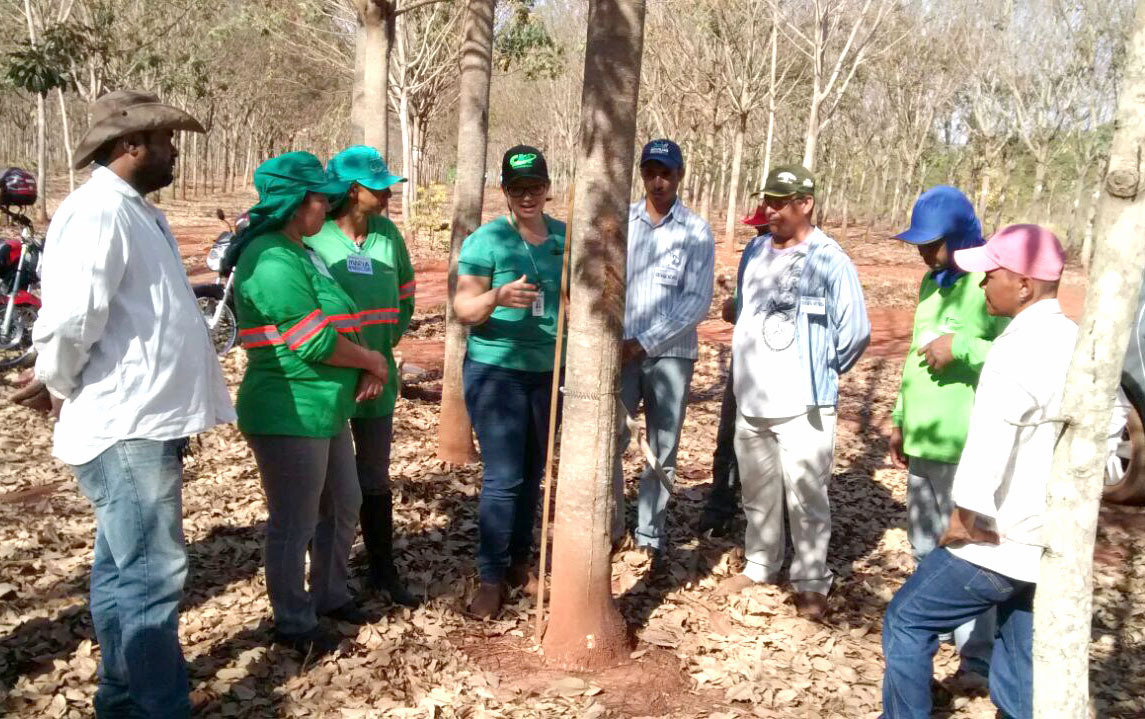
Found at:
(124, 358)
(990, 555)
(670, 273)
(802, 323)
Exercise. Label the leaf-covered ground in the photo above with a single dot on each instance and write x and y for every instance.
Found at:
(698, 655)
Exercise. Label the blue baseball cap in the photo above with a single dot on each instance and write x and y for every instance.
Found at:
(666, 152)
(941, 212)
(363, 165)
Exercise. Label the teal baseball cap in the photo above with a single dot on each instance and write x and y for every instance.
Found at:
(363, 165)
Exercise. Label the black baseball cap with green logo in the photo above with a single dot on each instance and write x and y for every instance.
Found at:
(789, 180)
(523, 163)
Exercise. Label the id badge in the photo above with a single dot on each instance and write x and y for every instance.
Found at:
(813, 305)
(539, 304)
(666, 275)
(359, 265)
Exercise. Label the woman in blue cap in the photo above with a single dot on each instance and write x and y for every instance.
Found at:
(367, 256)
(952, 334)
(307, 371)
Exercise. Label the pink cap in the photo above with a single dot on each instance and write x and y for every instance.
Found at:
(1027, 250)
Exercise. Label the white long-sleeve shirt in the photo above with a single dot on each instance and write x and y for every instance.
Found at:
(1004, 468)
(120, 337)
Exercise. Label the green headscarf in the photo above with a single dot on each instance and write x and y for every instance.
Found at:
(282, 183)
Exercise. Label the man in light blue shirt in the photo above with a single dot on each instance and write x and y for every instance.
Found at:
(801, 323)
(671, 266)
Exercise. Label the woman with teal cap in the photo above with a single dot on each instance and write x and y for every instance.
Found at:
(368, 257)
(307, 370)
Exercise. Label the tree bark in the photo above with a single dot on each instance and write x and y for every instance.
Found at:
(67, 139)
(41, 157)
(1063, 611)
(375, 35)
(454, 432)
(733, 184)
(771, 95)
(585, 628)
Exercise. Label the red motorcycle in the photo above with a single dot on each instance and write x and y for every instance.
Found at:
(19, 269)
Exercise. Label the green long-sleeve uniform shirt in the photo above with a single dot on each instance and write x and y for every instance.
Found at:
(290, 313)
(374, 275)
(933, 408)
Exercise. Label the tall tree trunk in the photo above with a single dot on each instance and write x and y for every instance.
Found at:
(585, 629)
(1063, 604)
(454, 432)
(67, 139)
(706, 185)
(1075, 209)
(771, 95)
(811, 141)
(409, 191)
(733, 184)
(42, 157)
(1090, 223)
(376, 37)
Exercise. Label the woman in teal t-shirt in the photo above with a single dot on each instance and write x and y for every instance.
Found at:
(508, 283)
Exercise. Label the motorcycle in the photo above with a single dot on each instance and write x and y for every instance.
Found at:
(216, 299)
(20, 261)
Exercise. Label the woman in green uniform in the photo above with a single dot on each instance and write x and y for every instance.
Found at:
(367, 256)
(508, 283)
(306, 372)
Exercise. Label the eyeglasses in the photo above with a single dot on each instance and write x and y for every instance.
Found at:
(778, 203)
(519, 191)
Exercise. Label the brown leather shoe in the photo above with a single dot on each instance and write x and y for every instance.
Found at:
(487, 600)
(811, 605)
(522, 576)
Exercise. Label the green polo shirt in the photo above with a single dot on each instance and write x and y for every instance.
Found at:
(933, 408)
(515, 338)
(369, 274)
(290, 313)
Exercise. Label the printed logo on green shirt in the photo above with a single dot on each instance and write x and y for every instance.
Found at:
(522, 160)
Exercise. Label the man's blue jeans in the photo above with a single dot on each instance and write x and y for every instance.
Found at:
(662, 384)
(943, 593)
(509, 410)
(137, 574)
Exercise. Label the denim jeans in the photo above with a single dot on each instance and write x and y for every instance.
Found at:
(661, 383)
(137, 575)
(312, 501)
(943, 593)
(724, 496)
(509, 410)
(930, 503)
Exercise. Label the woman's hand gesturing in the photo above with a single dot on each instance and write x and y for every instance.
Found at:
(518, 293)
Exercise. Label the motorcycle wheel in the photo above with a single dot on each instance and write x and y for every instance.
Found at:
(16, 344)
(223, 334)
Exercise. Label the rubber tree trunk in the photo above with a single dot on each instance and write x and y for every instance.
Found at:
(585, 629)
(1063, 611)
(733, 184)
(454, 432)
(42, 157)
(371, 106)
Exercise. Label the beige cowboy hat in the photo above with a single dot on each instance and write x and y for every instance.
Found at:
(122, 112)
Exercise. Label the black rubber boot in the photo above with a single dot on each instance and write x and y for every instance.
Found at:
(377, 519)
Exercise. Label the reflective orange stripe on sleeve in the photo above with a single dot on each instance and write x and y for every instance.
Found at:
(381, 316)
(304, 329)
(260, 337)
(407, 290)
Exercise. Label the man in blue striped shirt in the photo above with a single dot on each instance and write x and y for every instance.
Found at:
(802, 322)
(671, 266)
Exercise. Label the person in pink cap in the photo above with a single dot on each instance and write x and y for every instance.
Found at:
(722, 505)
(989, 556)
